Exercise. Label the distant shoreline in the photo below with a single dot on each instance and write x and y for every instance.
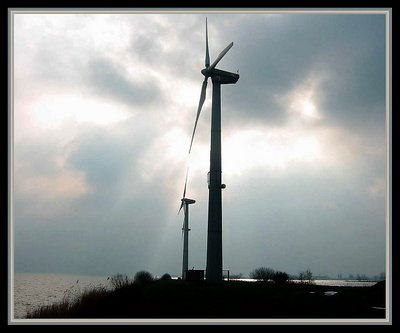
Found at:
(317, 280)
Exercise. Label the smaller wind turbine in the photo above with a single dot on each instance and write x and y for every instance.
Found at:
(185, 229)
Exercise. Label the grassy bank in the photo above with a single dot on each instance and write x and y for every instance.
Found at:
(180, 299)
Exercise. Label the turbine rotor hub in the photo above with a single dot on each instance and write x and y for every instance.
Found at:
(206, 72)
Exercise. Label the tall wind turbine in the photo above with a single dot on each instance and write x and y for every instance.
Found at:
(214, 236)
(185, 229)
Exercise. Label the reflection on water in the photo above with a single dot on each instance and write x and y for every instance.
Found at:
(345, 283)
(332, 283)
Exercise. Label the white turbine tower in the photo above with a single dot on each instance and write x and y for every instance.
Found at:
(214, 236)
(185, 229)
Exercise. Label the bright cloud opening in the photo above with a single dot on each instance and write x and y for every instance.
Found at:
(305, 109)
(309, 109)
(275, 149)
(52, 111)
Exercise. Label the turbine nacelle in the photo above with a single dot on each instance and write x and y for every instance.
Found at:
(188, 201)
(220, 76)
(206, 72)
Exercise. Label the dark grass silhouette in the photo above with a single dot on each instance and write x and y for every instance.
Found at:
(234, 299)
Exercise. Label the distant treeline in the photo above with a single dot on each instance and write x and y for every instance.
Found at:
(269, 274)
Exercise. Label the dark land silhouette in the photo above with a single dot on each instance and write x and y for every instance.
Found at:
(166, 298)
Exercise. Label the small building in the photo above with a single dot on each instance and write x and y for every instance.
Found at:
(194, 275)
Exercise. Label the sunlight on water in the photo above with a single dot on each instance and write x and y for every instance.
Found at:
(34, 290)
(331, 283)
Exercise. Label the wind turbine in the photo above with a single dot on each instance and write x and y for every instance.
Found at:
(185, 229)
(214, 236)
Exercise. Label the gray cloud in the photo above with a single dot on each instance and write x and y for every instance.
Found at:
(106, 78)
(285, 51)
(166, 44)
(101, 157)
(107, 229)
(300, 220)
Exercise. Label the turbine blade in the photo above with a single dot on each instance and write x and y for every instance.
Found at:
(180, 208)
(186, 178)
(207, 61)
(201, 102)
(221, 56)
(184, 190)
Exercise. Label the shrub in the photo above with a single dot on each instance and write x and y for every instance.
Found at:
(165, 276)
(280, 277)
(262, 274)
(143, 277)
(306, 277)
(119, 281)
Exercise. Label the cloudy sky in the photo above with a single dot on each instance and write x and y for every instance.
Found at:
(104, 107)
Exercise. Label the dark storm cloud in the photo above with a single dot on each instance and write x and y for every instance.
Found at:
(106, 79)
(285, 51)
